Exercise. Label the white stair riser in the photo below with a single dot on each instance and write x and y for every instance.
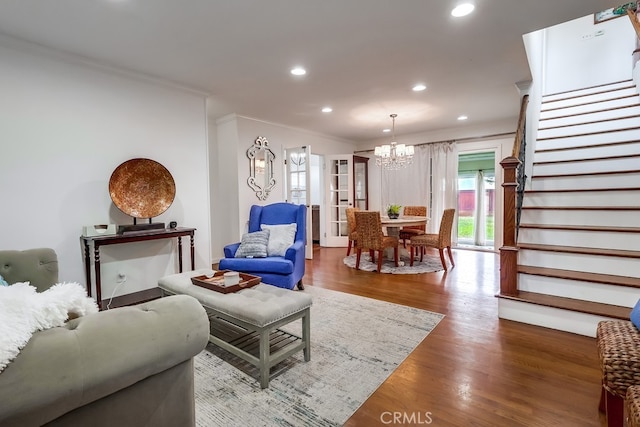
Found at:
(587, 166)
(588, 291)
(587, 91)
(578, 129)
(600, 264)
(588, 153)
(583, 239)
(633, 110)
(549, 317)
(587, 99)
(583, 198)
(580, 141)
(596, 106)
(580, 217)
(588, 182)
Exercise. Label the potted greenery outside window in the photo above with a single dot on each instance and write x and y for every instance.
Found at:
(393, 211)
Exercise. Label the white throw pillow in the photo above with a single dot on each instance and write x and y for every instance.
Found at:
(281, 236)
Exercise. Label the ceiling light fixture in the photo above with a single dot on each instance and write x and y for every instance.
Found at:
(419, 87)
(463, 117)
(327, 109)
(298, 71)
(462, 10)
(394, 156)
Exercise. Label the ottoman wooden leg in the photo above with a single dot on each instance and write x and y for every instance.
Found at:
(265, 360)
(306, 334)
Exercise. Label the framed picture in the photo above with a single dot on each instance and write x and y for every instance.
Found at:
(614, 12)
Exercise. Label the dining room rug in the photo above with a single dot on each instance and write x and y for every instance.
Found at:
(356, 343)
(429, 264)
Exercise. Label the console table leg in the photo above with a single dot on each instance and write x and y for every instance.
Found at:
(87, 267)
(193, 252)
(96, 257)
(180, 254)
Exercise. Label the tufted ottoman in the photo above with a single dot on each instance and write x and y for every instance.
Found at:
(246, 322)
(619, 352)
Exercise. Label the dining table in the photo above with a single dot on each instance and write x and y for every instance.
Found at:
(393, 226)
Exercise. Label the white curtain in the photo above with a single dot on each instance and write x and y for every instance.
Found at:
(481, 211)
(432, 181)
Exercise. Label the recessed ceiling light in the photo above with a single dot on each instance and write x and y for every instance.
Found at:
(462, 10)
(386, 130)
(327, 109)
(463, 117)
(419, 87)
(298, 71)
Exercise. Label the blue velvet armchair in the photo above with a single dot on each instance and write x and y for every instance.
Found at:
(284, 272)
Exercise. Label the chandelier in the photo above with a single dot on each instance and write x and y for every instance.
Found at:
(394, 156)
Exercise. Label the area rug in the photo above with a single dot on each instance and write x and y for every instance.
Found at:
(356, 343)
(429, 264)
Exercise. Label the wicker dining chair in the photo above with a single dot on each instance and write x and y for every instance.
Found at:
(440, 241)
(351, 228)
(412, 230)
(371, 238)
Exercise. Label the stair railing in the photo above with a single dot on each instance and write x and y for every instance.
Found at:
(513, 189)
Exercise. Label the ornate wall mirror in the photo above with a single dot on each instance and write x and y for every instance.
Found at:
(261, 159)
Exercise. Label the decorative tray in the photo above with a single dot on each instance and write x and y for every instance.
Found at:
(216, 283)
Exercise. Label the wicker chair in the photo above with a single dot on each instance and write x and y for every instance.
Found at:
(632, 403)
(413, 230)
(619, 353)
(440, 241)
(351, 228)
(370, 237)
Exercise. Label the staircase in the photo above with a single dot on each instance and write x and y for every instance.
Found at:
(579, 235)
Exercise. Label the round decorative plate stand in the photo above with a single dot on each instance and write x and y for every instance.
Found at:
(142, 188)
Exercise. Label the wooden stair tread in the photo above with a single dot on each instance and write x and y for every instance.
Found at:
(582, 190)
(602, 85)
(622, 253)
(588, 307)
(584, 113)
(566, 175)
(583, 208)
(633, 116)
(548, 138)
(582, 228)
(587, 146)
(607, 279)
(587, 159)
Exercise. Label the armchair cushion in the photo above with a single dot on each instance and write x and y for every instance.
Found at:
(281, 236)
(253, 245)
(277, 265)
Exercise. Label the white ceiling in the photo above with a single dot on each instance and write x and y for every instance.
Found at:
(362, 56)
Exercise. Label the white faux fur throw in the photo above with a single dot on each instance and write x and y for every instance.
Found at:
(24, 311)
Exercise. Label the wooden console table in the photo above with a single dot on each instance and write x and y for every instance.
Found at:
(130, 237)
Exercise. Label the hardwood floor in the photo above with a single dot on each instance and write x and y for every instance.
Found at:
(473, 369)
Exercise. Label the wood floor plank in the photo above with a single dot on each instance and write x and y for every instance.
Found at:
(474, 368)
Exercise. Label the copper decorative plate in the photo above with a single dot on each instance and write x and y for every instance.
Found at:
(142, 188)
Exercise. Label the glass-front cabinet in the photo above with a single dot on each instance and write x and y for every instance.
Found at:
(361, 182)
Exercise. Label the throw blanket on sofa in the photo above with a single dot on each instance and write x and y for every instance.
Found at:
(24, 311)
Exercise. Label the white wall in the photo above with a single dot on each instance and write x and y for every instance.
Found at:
(581, 54)
(64, 127)
(235, 135)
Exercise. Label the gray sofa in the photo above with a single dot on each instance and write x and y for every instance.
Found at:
(129, 366)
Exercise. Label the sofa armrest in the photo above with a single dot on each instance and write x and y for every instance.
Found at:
(94, 356)
(230, 250)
